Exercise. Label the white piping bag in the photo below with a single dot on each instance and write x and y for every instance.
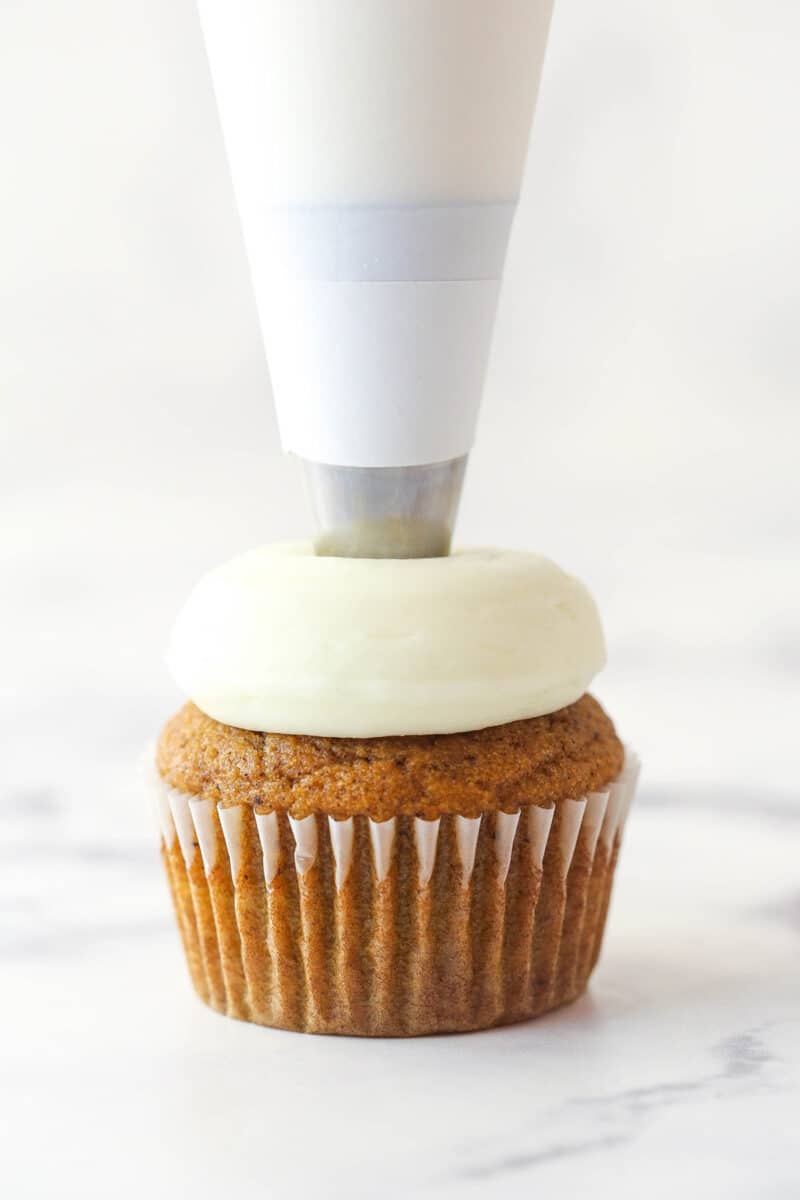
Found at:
(377, 149)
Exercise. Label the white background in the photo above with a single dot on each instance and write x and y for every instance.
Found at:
(640, 424)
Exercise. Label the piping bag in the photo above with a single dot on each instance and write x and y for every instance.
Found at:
(377, 149)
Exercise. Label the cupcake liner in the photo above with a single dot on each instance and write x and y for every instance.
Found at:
(392, 928)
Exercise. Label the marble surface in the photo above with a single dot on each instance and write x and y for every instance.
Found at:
(640, 425)
(678, 1072)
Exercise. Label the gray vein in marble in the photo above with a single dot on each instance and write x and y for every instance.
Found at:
(777, 808)
(82, 854)
(784, 912)
(60, 943)
(743, 1056)
(31, 803)
(537, 1158)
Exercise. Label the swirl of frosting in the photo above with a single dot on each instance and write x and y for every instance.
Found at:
(281, 640)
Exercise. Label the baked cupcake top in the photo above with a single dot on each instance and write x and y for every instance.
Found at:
(282, 640)
(560, 756)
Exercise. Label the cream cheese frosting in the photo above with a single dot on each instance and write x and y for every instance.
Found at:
(282, 640)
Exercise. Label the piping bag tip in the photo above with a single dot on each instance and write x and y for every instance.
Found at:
(385, 512)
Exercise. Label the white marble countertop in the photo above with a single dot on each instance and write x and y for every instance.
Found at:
(678, 1072)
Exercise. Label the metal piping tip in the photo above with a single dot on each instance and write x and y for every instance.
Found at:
(385, 512)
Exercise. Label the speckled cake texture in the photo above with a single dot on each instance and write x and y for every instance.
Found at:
(392, 886)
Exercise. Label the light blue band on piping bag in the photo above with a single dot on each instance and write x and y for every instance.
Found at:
(397, 243)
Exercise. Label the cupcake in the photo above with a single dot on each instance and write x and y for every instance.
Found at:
(390, 806)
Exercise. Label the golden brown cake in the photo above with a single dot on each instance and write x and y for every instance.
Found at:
(392, 885)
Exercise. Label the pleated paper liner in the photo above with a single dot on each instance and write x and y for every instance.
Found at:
(395, 928)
